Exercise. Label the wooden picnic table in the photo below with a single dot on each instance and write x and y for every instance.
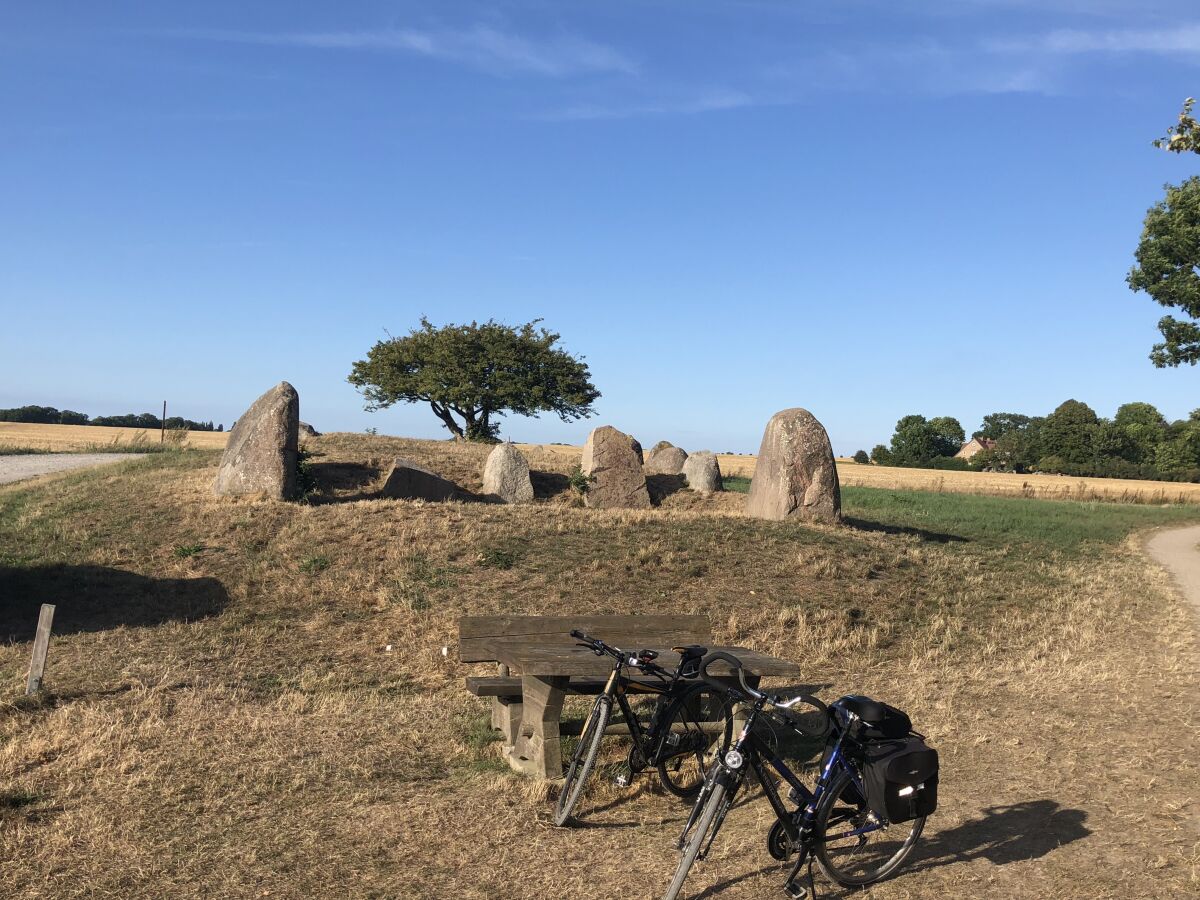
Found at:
(550, 667)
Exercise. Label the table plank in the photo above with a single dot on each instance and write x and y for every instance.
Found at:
(533, 659)
(478, 636)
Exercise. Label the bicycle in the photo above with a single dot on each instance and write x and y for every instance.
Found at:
(834, 822)
(677, 741)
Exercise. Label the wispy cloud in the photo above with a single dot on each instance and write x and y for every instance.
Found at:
(481, 47)
(1183, 40)
(714, 100)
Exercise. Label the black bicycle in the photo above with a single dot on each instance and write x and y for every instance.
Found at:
(690, 725)
(863, 816)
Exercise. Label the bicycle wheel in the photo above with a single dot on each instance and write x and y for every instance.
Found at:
(700, 727)
(714, 807)
(584, 759)
(855, 860)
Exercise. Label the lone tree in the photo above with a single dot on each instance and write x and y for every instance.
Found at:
(1168, 256)
(477, 372)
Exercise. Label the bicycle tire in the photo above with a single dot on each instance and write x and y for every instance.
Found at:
(583, 760)
(831, 864)
(687, 786)
(712, 808)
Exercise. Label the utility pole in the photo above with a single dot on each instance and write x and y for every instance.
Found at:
(162, 437)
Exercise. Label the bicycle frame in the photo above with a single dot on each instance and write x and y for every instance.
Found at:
(758, 757)
(641, 737)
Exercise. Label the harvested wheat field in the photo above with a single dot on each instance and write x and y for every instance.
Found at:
(93, 438)
(223, 719)
(1000, 484)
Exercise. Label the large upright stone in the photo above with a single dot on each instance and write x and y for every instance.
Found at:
(506, 475)
(260, 456)
(703, 472)
(796, 476)
(408, 481)
(665, 458)
(613, 460)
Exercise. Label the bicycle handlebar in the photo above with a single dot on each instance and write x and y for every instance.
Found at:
(777, 704)
(600, 648)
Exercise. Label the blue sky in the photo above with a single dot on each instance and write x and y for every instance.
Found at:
(865, 208)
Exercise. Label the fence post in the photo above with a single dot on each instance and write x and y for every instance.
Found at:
(41, 643)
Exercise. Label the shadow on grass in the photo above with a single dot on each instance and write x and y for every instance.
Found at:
(936, 537)
(549, 484)
(1004, 834)
(96, 598)
(344, 482)
(660, 487)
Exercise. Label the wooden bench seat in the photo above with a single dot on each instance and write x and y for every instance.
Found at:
(509, 686)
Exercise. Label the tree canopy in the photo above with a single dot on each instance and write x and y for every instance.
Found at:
(1168, 260)
(1168, 254)
(472, 374)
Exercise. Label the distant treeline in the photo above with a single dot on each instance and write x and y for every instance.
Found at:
(48, 415)
(1138, 442)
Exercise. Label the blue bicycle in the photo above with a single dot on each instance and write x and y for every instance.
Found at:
(863, 816)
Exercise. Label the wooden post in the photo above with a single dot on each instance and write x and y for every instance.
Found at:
(41, 643)
(162, 437)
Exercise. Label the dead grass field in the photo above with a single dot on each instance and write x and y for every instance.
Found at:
(79, 438)
(224, 720)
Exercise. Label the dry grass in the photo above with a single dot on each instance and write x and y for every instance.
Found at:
(225, 722)
(63, 438)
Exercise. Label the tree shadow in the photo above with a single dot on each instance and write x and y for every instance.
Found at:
(881, 528)
(1004, 834)
(660, 487)
(96, 598)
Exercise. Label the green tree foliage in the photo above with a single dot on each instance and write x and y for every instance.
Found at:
(881, 455)
(996, 425)
(862, 457)
(1070, 433)
(1183, 137)
(477, 373)
(918, 441)
(49, 415)
(1168, 258)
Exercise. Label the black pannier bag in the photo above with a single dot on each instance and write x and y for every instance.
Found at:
(900, 778)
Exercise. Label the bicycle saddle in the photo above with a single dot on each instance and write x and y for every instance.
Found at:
(691, 651)
(870, 711)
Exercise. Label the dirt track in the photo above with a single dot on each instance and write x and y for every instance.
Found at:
(16, 468)
(1178, 551)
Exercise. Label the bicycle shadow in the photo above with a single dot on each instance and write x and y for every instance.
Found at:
(1003, 834)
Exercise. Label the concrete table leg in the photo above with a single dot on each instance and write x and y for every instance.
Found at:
(537, 749)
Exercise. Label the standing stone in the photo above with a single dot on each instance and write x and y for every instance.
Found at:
(307, 430)
(408, 481)
(506, 475)
(260, 456)
(796, 476)
(703, 473)
(665, 458)
(614, 462)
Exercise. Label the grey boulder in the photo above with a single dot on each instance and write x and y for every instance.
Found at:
(307, 430)
(665, 458)
(613, 462)
(703, 472)
(408, 481)
(796, 476)
(506, 475)
(260, 456)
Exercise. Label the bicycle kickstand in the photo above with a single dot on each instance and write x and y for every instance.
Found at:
(792, 887)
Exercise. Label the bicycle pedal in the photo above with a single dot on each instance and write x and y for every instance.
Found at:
(795, 890)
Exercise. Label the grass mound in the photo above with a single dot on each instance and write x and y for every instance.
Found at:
(225, 716)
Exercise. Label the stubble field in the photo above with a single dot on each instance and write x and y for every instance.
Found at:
(224, 719)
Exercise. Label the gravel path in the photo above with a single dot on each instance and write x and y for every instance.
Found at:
(1178, 551)
(14, 468)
